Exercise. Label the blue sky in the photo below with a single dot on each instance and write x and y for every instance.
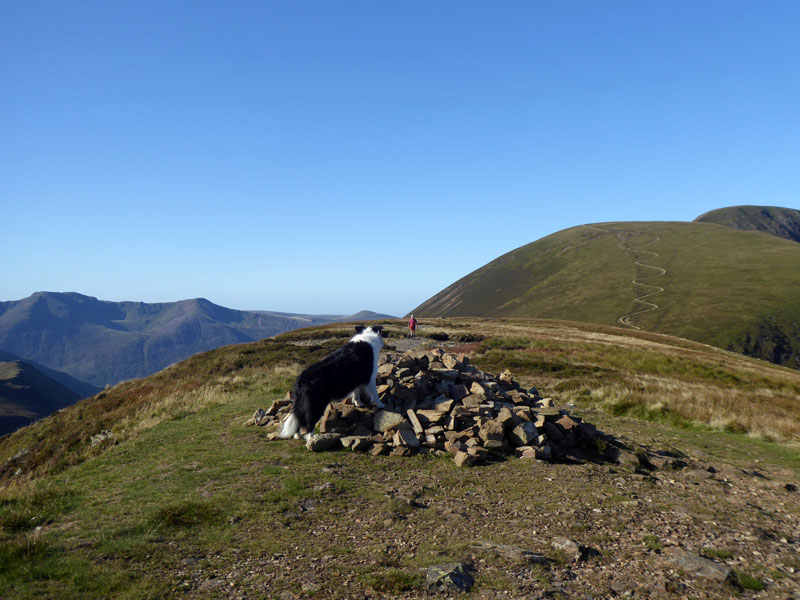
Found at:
(328, 157)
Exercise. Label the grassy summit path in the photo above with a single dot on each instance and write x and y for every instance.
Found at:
(650, 306)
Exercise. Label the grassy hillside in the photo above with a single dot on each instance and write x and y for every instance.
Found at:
(702, 281)
(182, 500)
(27, 394)
(781, 222)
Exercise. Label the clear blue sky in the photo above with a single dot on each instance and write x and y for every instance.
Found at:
(328, 157)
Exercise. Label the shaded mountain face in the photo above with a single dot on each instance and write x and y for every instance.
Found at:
(27, 395)
(734, 289)
(781, 222)
(104, 343)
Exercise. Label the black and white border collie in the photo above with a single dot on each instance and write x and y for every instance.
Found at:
(351, 370)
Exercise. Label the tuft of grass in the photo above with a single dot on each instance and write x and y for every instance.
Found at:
(398, 508)
(744, 581)
(776, 574)
(718, 554)
(21, 551)
(468, 338)
(187, 513)
(393, 580)
(653, 543)
(39, 507)
(791, 560)
(33, 567)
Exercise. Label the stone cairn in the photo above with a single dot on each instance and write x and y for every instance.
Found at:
(438, 403)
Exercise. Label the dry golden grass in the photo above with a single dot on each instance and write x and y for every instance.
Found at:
(223, 390)
(640, 374)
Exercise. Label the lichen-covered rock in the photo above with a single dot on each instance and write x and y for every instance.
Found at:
(450, 577)
(257, 417)
(524, 434)
(415, 422)
(464, 459)
(478, 390)
(385, 420)
(406, 437)
(324, 441)
(572, 549)
(696, 565)
(357, 443)
(451, 362)
(492, 430)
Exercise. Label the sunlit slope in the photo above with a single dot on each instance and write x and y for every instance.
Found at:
(719, 284)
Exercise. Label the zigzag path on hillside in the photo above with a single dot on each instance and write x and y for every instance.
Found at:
(626, 319)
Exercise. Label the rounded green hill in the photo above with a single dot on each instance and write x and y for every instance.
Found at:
(734, 289)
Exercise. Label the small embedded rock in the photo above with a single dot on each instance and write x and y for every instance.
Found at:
(450, 577)
(571, 548)
(696, 565)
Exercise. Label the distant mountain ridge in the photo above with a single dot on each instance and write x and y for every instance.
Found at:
(720, 285)
(104, 342)
(777, 221)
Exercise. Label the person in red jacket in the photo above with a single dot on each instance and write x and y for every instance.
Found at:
(412, 326)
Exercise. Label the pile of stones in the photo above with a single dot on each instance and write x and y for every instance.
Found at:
(439, 403)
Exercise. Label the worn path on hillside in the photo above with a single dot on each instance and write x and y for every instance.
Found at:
(626, 319)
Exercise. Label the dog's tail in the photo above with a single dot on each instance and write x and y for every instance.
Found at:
(290, 426)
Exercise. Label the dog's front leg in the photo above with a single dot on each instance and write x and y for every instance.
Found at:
(355, 397)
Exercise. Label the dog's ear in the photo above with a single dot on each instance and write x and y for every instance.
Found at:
(359, 328)
(377, 329)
